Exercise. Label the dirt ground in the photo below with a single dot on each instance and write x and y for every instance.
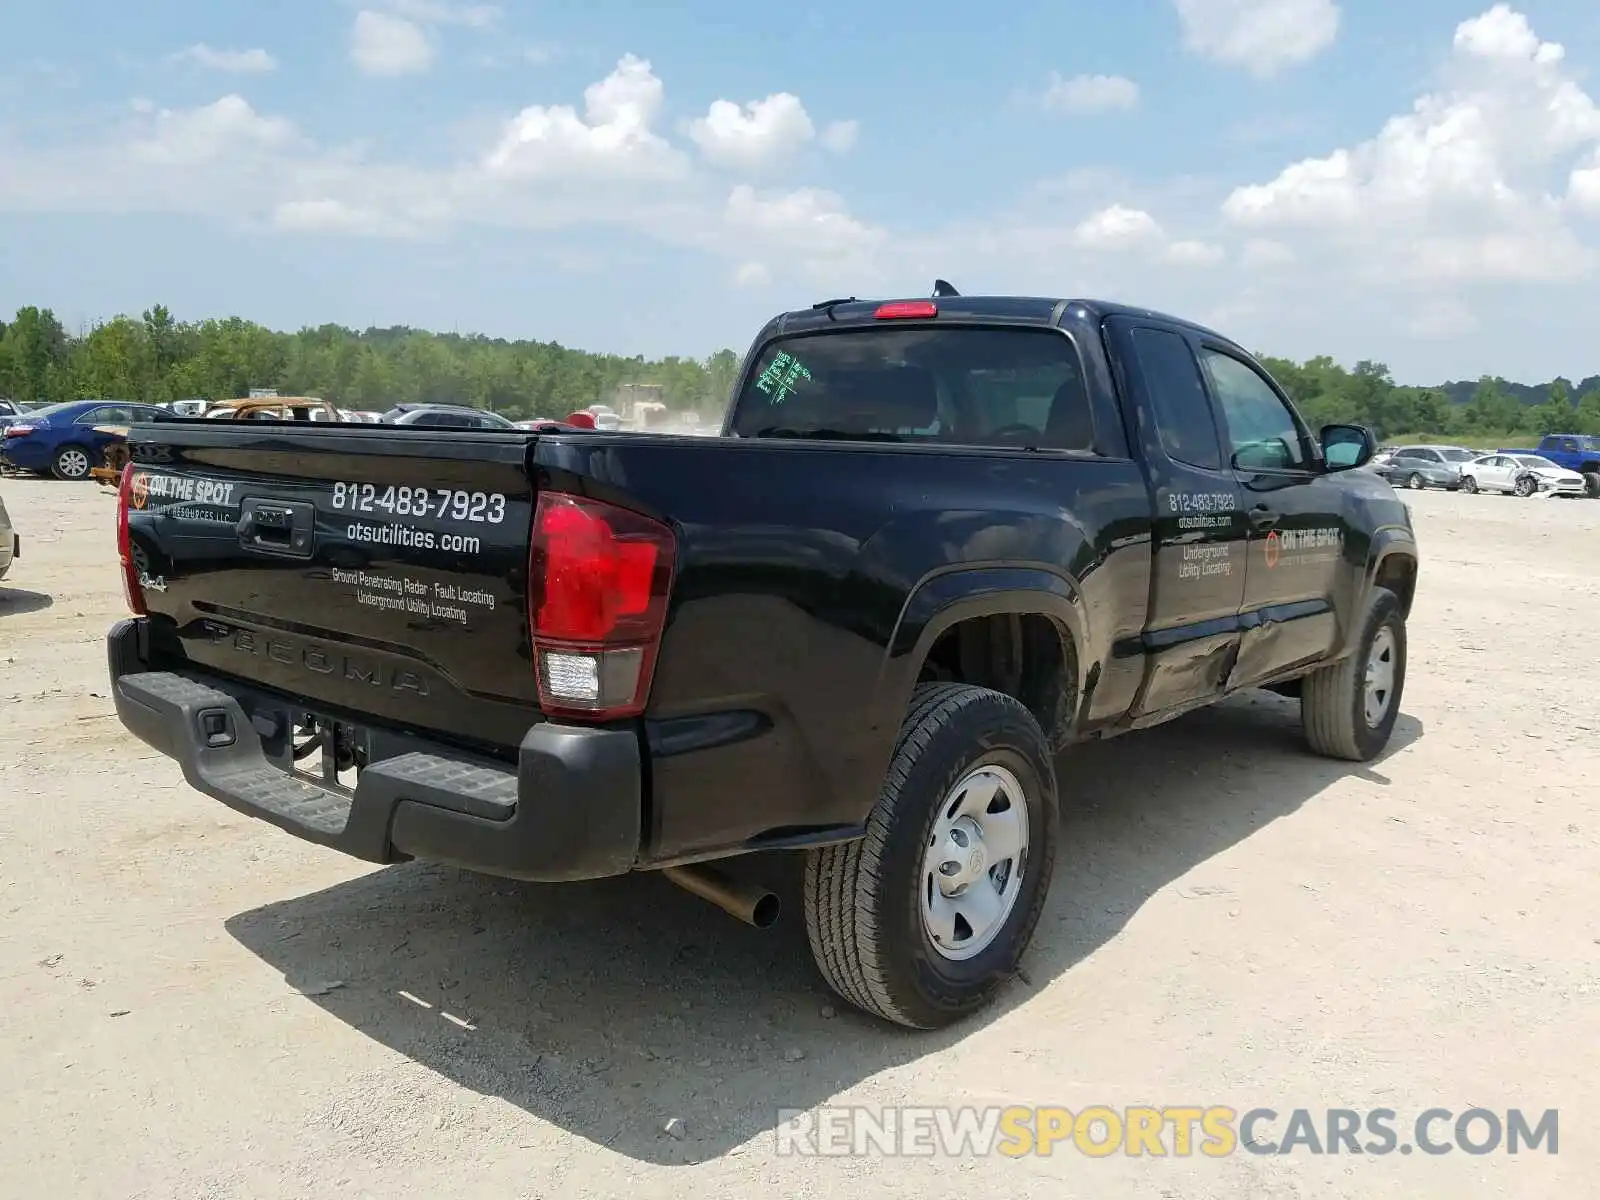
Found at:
(197, 1005)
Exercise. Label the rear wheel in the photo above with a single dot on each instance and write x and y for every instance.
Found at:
(1591, 483)
(1349, 709)
(1469, 485)
(72, 463)
(924, 919)
(1416, 482)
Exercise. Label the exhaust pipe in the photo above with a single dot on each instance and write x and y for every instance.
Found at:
(751, 904)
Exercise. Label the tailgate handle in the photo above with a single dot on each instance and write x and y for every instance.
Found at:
(285, 527)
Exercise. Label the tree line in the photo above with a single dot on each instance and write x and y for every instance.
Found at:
(157, 359)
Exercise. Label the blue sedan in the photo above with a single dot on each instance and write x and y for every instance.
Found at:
(61, 440)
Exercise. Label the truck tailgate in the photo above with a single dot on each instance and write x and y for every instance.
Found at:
(375, 571)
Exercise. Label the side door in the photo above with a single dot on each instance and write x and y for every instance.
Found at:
(1501, 473)
(1200, 535)
(87, 435)
(1298, 525)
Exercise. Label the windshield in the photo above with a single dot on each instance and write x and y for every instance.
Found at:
(1456, 455)
(952, 385)
(1537, 463)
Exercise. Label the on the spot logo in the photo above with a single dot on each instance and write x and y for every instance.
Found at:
(183, 488)
(1303, 545)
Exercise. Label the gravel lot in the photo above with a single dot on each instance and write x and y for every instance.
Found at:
(1233, 922)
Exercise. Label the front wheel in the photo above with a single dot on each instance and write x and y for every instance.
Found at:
(1591, 483)
(71, 463)
(1349, 709)
(1469, 485)
(1526, 486)
(924, 919)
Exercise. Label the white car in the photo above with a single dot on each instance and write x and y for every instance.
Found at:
(1519, 474)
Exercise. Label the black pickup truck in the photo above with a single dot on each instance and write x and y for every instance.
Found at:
(936, 543)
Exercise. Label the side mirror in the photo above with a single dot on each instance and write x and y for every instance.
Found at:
(1347, 446)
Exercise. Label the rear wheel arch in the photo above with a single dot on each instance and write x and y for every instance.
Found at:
(1017, 631)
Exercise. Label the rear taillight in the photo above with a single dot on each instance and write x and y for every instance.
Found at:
(18, 430)
(132, 590)
(598, 581)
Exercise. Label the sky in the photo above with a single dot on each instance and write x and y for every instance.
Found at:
(1416, 184)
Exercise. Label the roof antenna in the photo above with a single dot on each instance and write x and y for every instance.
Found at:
(943, 287)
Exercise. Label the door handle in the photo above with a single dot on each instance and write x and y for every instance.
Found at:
(1262, 517)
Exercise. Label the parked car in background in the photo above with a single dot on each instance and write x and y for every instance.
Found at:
(445, 416)
(1519, 473)
(1419, 467)
(10, 541)
(1576, 452)
(61, 439)
(273, 408)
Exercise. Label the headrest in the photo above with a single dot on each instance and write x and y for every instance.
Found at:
(886, 398)
(1070, 425)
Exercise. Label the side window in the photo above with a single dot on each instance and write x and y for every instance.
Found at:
(1432, 456)
(1262, 431)
(1178, 395)
(97, 416)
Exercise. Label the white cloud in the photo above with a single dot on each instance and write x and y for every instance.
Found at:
(385, 45)
(227, 127)
(1462, 186)
(615, 135)
(1583, 186)
(1120, 229)
(1090, 94)
(840, 137)
(240, 62)
(1117, 227)
(1262, 37)
(751, 275)
(807, 218)
(754, 135)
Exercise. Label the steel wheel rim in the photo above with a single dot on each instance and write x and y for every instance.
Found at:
(1524, 487)
(1414, 483)
(1378, 693)
(74, 462)
(974, 863)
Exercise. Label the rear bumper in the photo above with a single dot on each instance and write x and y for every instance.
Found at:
(571, 809)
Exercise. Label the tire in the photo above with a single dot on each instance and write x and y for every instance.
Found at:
(1333, 702)
(864, 900)
(1526, 486)
(72, 463)
(1591, 483)
(1416, 482)
(1469, 485)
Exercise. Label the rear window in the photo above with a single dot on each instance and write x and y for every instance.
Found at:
(952, 385)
